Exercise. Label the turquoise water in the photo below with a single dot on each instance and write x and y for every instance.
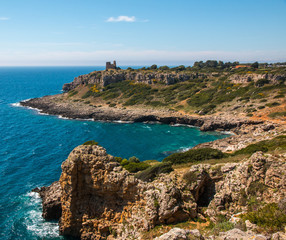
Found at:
(33, 146)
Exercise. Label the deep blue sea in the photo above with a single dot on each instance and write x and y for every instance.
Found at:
(33, 146)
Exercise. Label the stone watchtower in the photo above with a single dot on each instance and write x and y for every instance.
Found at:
(110, 65)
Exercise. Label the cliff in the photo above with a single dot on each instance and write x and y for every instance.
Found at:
(104, 78)
(254, 77)
(99, 199)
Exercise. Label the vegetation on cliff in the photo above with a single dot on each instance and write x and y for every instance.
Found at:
(209, 186)
(213, 156)
(206, 88)
(194, 155)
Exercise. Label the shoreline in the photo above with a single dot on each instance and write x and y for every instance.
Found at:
(242, 131)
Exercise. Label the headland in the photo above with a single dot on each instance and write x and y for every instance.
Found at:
(232, 187)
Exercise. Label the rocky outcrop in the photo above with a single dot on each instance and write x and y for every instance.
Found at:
(51, 201)
(233, 234)
(58, 105)
(97, 198)
(241, 235)
(245, 134)
(175, 234)
(261, 176)
(101, 199)
(104, 78)
(245, 78)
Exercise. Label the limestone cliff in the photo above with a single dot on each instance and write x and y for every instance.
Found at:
(101, 199)
(244, 78)
(262, 177)
(104, 78)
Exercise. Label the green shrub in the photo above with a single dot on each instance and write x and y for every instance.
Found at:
(280, 96)
(277, 114)
(118, 159)
(124, 162)
(221, 225)
(134, 159)
(256, 187)
(91, 142)
(112, 104)
(252, 148)
(190, 177)
(273, 104)
(208, 108)
(134, 167)
(72, 93)
(269, 217)
(264, 146)
(194, 155)
(261, 82)
(87, 94)
(150, 173)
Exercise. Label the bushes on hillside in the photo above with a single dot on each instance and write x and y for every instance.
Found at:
(194, 155)
(132, 165)
(91, 142)
(264, 146)
(270, 217)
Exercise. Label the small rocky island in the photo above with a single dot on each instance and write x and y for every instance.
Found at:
(232, 188)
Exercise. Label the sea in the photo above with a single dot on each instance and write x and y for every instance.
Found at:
(34, 145)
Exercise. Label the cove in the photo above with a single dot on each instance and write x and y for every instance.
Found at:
(33, 146)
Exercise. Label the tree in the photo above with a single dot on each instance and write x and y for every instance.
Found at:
(255, 65)
(153, 67)
(164, 68)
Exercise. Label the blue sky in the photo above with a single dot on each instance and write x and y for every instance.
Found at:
(140, 32)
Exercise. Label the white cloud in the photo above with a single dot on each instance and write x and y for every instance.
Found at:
(4, 18)
(121, 19)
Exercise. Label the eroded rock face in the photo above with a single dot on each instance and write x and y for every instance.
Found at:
(98, 199)
(101, 199)
(104, 78)
(261, 176)
(244, 78)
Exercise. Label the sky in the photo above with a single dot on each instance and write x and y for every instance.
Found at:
(140, 32)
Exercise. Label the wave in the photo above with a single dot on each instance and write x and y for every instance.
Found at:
(34, 222)
(120, 121)
(62, 117)
(182, 125)
(17, 104)
(185, 149)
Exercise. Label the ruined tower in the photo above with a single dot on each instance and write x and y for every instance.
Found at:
(110, 65)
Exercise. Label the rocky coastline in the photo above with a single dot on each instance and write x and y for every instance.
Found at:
(96, 198)
(244, 131)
